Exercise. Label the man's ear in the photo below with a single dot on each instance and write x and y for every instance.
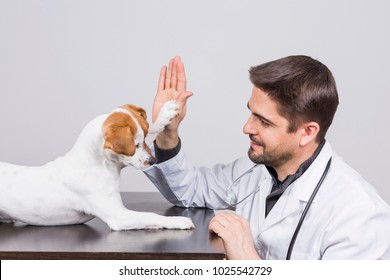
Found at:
(309, 133)
(118, 131)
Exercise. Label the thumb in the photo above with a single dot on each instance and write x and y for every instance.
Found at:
(183, 97)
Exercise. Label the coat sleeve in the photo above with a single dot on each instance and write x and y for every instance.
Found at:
(188, 186)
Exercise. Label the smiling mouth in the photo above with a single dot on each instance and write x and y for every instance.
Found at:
(254, 142)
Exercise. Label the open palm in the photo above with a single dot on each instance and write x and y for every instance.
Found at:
(172, 85)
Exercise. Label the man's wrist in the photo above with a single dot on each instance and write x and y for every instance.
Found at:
(167, 140)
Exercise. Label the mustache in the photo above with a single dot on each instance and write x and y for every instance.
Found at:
(252, 138)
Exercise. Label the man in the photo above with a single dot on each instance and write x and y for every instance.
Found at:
(296, 176)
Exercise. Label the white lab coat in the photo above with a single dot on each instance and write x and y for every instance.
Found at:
(347, 219)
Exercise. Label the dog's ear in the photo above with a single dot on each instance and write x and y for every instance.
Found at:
(118, 131)
(138, 110)
(139, 114)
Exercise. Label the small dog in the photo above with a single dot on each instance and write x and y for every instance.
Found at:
(84, 183)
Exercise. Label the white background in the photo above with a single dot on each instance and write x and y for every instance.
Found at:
(64, 62)
(110, 269)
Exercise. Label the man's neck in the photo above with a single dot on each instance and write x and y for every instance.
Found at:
(292, 166)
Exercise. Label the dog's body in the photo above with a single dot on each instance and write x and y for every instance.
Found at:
(85, 182)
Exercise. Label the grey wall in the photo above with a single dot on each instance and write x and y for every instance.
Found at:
(64, 62)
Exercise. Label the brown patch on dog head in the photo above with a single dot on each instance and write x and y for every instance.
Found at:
(139, 114)
(119, 131)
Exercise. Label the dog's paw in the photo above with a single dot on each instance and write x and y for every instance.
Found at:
(168, 111)
(142, 220)
(177, 223)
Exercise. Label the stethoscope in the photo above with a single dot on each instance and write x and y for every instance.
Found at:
(304, 213)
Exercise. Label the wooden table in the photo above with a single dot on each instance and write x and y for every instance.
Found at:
(95, 240)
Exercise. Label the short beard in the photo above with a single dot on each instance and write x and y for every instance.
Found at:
(270, 159)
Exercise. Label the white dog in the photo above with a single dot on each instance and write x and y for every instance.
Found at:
(84, 183)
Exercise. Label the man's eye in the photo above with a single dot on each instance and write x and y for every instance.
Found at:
(265, 123)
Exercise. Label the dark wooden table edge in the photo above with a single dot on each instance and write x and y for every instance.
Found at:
(107, 256)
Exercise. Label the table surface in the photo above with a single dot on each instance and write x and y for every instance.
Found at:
(95, 240)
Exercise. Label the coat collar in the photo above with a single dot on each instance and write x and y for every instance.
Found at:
(303, 188)
(299, 191)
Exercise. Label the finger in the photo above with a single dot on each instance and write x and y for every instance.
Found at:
(183, 97)
(161, 80)
(169, 74)
(220, 219)
(217, 228)
(228, 215)
(174, 72)
(216, 225)
(181, 77)
(234, 220)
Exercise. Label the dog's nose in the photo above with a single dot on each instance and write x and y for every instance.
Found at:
(152, 160)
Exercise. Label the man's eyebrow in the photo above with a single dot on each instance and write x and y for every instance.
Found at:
(261, 116)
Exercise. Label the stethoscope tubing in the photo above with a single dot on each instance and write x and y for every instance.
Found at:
(235, 182)
(304, 213)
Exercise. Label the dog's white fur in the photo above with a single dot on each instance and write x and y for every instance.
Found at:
(84, 183)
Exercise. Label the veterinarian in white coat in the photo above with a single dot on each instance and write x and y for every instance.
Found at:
(271, 189)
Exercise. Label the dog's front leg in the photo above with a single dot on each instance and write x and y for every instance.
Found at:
(128, 220)
(168, 111)
(118, 217)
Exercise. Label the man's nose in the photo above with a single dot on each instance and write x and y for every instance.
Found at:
(249, 127)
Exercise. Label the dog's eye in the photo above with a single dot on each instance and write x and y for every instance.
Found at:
(138, 146)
